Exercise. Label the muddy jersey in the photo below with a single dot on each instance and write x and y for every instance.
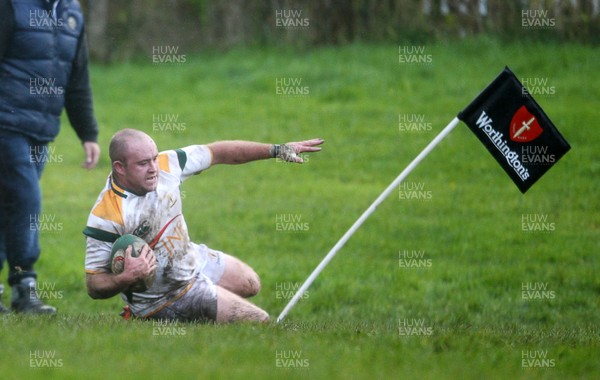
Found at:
(157, 218)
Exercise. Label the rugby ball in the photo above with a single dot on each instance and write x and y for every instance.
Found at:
(117, 259)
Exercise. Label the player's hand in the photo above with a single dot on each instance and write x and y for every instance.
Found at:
(92, 154)
(289, 151)
(139, 267)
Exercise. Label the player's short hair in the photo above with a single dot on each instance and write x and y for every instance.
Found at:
(119, 143)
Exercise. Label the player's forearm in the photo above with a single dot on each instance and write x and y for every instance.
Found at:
(239, 152)
(106, 285)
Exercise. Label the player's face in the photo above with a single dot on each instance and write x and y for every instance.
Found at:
(141, 167)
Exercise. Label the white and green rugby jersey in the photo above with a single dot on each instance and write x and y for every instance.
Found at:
(157, 218)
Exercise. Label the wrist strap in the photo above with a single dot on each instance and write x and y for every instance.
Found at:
(275, 150)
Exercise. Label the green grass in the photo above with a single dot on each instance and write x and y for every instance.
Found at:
(470, 230)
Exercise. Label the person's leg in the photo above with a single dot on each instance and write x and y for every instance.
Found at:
(20, 171)
(19, 181)
(233, 308)
(234, 281)
(205, 302)
(239, 278)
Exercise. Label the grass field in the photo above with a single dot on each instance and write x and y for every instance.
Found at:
(485, 297)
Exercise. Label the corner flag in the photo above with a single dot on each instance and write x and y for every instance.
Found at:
(511, 125)
(515, 130)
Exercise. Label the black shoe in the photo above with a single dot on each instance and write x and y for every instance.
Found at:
(25, 300)
(3, 309)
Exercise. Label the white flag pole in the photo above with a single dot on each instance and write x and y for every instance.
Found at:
(365, 215)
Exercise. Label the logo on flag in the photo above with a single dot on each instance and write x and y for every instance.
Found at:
(514, 128)
(524, 127)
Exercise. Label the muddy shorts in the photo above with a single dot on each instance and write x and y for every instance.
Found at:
(199, 303)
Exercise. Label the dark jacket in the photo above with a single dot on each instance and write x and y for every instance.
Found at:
(41, 70)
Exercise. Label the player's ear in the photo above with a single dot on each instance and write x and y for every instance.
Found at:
(118, 167)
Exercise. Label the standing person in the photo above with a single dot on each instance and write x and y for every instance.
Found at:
(141, 197)
(43, 69)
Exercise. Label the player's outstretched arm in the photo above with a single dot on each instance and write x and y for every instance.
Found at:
(240, 152)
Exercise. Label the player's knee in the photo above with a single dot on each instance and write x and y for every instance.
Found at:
(252, 285)
(240, 278)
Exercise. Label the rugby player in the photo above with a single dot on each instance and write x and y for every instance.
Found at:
(142, 197)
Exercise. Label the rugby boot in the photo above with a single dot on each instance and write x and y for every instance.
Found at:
(3, 309)
(25, 300)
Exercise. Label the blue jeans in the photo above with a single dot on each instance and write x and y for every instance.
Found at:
(22, 161)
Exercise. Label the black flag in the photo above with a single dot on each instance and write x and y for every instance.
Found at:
(515, 129)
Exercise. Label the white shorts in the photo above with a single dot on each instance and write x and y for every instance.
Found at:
(210, 262)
